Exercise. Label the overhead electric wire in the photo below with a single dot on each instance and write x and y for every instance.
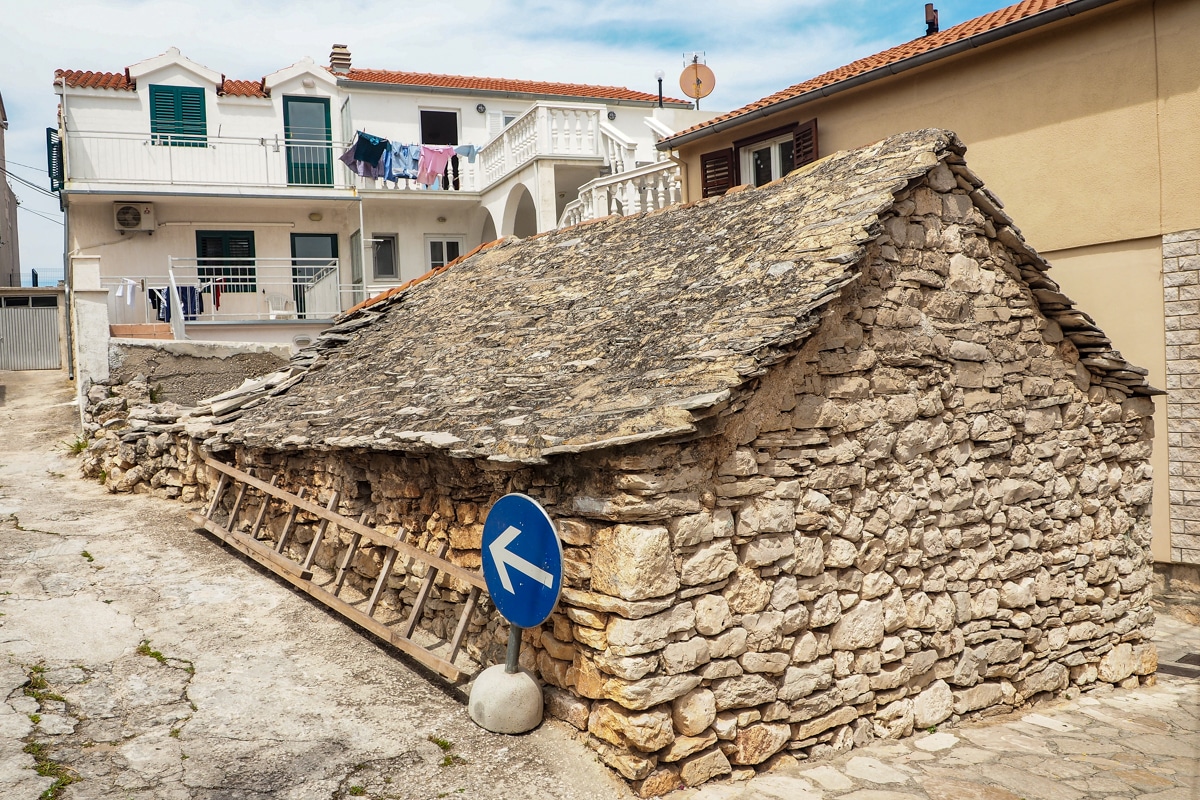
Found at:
(30, 184)
(26, 166)
(41, 214)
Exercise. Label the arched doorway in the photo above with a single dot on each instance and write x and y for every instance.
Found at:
(520, 213)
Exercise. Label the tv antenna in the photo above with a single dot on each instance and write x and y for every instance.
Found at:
(697, 79)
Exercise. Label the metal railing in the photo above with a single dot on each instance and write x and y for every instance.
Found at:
(646, 188)
(227, 290)
(276, 162)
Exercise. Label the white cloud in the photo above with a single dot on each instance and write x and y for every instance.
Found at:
(755, 47)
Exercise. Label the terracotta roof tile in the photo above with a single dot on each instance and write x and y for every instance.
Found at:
(925, 44)
(232, 88)
(502, 85)
(84, 79)
(75, 78)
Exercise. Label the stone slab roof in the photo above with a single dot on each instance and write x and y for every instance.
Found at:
(616, 331)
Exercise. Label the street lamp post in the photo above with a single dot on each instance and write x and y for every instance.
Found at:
(659, 75)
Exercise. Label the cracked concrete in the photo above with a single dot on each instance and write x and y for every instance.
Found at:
(255, 692)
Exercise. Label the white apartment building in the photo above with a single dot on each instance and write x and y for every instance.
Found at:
(227, 199)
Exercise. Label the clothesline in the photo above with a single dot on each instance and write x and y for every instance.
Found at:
(371, 156)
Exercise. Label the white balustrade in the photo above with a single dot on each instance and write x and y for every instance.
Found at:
(545, 130)
(646, 188)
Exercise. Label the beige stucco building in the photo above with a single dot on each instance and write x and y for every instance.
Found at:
(1082, 114)
(10, 257)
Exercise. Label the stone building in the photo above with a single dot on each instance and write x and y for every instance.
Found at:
(832, 459)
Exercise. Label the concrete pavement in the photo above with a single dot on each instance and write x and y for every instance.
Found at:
(141, 660)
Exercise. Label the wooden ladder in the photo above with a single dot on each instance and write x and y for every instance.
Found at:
(328, 587)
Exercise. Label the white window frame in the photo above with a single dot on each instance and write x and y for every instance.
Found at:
(748, 151)
(430, 238)
(376, 238)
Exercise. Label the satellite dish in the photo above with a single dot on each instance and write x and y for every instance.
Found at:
(697, 80)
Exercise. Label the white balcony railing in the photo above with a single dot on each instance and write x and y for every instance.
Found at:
(124, 158)
(555, 131)
(645, 188)
(227, 290)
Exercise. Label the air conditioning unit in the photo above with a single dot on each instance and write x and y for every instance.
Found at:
(133, 216)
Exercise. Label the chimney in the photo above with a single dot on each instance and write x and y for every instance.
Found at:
(339, 58)
(931, 20)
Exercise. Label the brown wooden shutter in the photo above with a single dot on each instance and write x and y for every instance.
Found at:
(716, 169)
(805, 143)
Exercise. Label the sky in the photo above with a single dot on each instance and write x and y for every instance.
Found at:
(754, 47)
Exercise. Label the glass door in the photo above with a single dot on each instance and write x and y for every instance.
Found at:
(315, 275)
(309, 144)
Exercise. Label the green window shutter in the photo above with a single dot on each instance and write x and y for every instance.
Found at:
(227, 255)
(177, 116)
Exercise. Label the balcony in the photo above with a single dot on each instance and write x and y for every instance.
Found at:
(646, 188)
(556, 131)
(132, 162)
(108, 160)
(197, 290)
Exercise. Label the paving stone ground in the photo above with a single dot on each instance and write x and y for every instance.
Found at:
(1118, 744)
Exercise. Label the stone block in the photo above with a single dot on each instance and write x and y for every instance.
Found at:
(563, 705)
(747, 592)
(712, 614)
(745, 691)
(756, 743)
(763, 515)
(933, 705)
(646, 731)
(684, 746)
(860, 627)
(632, 766)
(703, 766)
(649, 692)
(633, 562)
(693, 711)
(685, 656)
(710, 563)
(983, 695)
(662, 779)
(631, 637)
(1117, 664)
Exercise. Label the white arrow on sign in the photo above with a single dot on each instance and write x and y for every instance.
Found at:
(505, 558)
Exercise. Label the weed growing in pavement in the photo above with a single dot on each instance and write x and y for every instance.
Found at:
(35, 718)
(49, 768)
(77, 445)
(448, 760)
(88, 556)
(143, 649)
(357, 791)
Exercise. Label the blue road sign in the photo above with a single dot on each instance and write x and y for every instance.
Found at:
(522, 560)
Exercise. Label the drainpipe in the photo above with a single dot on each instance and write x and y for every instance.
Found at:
(68, 283)
(362, 248)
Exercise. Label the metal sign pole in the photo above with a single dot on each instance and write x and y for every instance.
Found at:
(514, 649)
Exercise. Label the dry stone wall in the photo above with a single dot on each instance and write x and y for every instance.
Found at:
(931, 510)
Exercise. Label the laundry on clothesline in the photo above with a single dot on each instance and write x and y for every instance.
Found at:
(126, 288)
(189, 299)
(371, 156)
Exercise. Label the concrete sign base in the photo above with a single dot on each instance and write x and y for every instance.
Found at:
(506, 702)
